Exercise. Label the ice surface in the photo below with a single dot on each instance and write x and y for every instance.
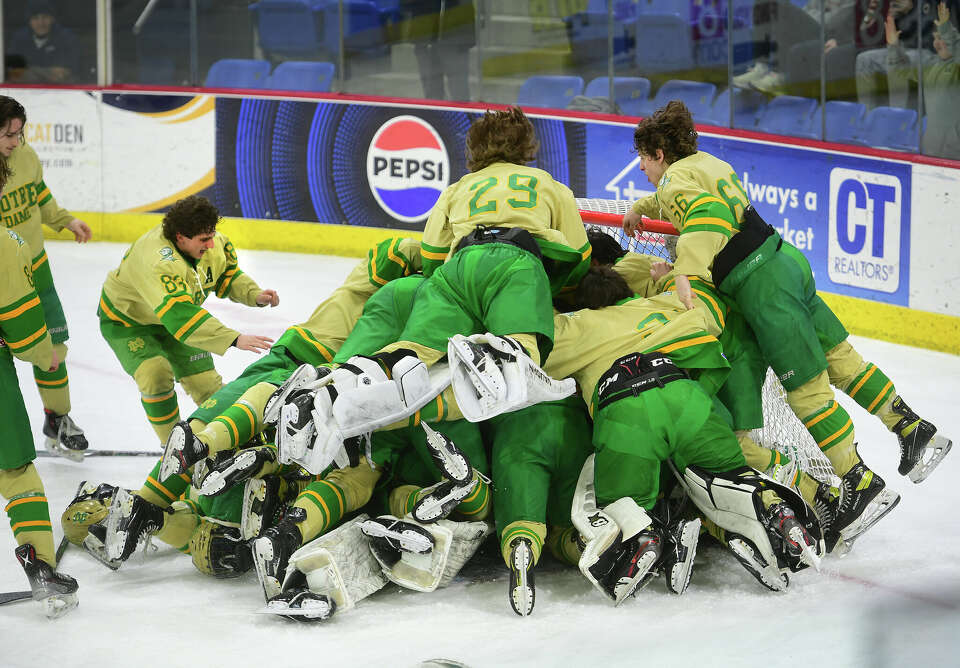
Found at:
(893, 601)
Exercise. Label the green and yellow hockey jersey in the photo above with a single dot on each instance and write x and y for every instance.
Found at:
(317, 340)
(156, 285)
(23, 330)
(587, 342)
(508, 195)
(704, 199)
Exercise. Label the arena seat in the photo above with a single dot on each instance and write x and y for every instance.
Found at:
(238, 73)
(844, 120)
(364, 26)
(302, 75)
(553, 91)
(697, 95)
(890, 127)
(789, 115)
(629, 93)
(671, 50)
(290, 27)
(747, 104)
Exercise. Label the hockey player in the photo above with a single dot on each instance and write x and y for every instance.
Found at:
(723, 239)
(27, 204)
(150, 311)
(486, 246)
(23, 333)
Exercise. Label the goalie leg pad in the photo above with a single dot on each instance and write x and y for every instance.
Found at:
(338, 565)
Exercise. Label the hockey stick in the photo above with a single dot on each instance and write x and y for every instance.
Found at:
(14, 596)
(108, 453)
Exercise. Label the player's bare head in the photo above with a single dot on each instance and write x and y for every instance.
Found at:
(606, 249)
(12, 119)
(669, 129)
(190, 216)
(602, 286)
(10, 110)
(501, 136)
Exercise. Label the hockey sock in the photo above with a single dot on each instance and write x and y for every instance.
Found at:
(201, 386)
(178, 528)
(163, 493)
(535, 532)
(233, 427)
(827, 421)
(54, 386)
(162, 411)
(564, 545)
(757, 456)
(325, 504)
(863, 381)
(475, 507)
(28, 511)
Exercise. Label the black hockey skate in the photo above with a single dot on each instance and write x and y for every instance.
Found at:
(264, 501)
(272, 550)
(131, 519)
(522, 591)
(181, 451)
(921, 448)
(679, 551)
(56, 591)
(64, 437)
(636, 564)
(441, 499)
(864, 501)
(301, 605)
(397, 535)
(242, 465)
(746, 552)
(95, 544)
(789, 538)
(451, 460)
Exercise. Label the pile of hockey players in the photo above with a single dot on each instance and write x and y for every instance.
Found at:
(490, 381)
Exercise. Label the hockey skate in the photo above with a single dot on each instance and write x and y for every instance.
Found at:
(263, 505)
(295, 429)
(64, 437)
(631, 565)
(130, 520)
(769, 575)
(272, 550)
(56, 592)
(301, 605)
(680, 549)
(304, 376)
(441, 499)
(790, 538)
(450, 459)
(522, 590)
(864, 501)
(243, 465)
(921, 447)
(95, 544)
(181, 451)
(393, 535)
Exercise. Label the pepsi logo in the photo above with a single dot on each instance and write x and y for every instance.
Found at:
(407, 167)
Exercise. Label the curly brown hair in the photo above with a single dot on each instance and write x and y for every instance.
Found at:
(501, 136)
(601, 286)
(10, 110)
(190, 216)
(669, 129)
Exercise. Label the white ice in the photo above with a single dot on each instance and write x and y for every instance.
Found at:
(893, 601)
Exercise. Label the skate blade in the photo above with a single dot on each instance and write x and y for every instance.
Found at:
(53, 447)
(169, 465)
(299, 379)
(876, 510)
(933, 454)
(263, 555)
(769, 576)
(680, 577)
(808, 555)
(522, 592)
(251, 524)
(430, 509)
(58, 605)
(312, 609)
(408, 541)
(453, 464)
(216, 481)
(627, 587)
(120, 508)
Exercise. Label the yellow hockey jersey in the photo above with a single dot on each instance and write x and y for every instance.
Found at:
(507, 195)
(319, 338)
(156, 285)
(27, 203)
(23, 330)
(587, 342)
(704, 199)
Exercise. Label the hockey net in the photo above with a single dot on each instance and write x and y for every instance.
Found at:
(781, 430)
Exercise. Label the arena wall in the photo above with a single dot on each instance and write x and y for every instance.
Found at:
(332, 174)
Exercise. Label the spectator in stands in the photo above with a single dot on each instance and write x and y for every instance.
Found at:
(872, 69)
(941, 84)
(50, 50)
(442, 32)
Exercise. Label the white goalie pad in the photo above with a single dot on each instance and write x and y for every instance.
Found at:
(339, 564)
(370, 400)
(492, 375)
(455, 543)
(599, 531)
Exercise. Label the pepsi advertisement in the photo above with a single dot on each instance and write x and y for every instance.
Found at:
(382, 166)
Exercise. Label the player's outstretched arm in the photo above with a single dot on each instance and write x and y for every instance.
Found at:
(253, 343)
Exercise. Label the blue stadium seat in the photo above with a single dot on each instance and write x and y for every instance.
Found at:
(302, 75)
(290, 27)
(890, 127)
(844, 120)
(665, 43)
(553, 91)
(588, 34)
(238, 73)
(698, 97)
(629, 93)
(788, 115)
(747, 105)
